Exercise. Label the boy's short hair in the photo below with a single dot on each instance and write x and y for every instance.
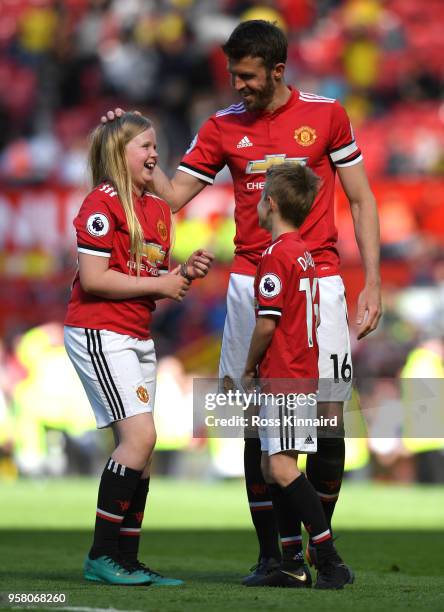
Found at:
(293, 187)
(257, 38)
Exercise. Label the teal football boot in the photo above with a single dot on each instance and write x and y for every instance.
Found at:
(155, 578)
(114, 571)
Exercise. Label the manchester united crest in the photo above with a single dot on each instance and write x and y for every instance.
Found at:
(162, 229)
(305, 136)
(142, 394)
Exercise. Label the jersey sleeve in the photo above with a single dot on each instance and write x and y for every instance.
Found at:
(95, 226)
(343, 149)
(204, 158)
(272, 280)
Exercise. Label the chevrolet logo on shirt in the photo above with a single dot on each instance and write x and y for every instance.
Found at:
(153, 253)
(259, 166)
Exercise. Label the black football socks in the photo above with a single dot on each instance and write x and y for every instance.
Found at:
(303, 501)
(117, 486)
(289, 524)
(260, 502)
(325, 470)
(131, 525)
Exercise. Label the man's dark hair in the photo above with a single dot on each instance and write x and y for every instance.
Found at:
(257, 38)
(293, 188)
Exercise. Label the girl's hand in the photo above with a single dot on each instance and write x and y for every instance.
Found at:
(198, 264)
(173, 285)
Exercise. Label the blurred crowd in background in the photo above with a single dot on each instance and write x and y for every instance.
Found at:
(63, 63)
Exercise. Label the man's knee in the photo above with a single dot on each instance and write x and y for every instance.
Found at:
(332, 414)
(333, 448)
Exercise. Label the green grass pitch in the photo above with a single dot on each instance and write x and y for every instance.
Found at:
(392, 536)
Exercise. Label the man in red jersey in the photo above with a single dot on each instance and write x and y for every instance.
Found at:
(275, 123)
(284, 353)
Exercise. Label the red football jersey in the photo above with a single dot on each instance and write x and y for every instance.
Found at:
(308, 129)
(286, 286)
(102, 231)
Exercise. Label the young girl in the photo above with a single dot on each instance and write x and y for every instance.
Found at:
(123, 237)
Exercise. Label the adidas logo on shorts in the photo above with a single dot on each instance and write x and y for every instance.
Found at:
(245, 142)
(309, 440)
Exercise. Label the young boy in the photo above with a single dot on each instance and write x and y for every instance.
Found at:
(284, 346)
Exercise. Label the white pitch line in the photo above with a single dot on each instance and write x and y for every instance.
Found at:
(81, 609)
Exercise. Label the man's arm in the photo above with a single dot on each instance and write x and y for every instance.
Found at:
(262, 336)
(178, 191)
(366, 224)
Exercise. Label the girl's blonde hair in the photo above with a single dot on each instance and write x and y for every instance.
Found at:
(107, 162)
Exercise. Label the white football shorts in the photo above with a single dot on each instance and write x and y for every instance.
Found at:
(118, 372)
(335, 367)
(285, 429)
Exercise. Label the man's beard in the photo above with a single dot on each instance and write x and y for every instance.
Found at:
(263, 97)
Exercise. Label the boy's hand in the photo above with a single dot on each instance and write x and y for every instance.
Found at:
(247, 380)
(198, 264)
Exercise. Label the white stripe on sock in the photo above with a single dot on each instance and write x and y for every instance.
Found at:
(292, 539)
(327, 495)
(321, 535)
(115, 516)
